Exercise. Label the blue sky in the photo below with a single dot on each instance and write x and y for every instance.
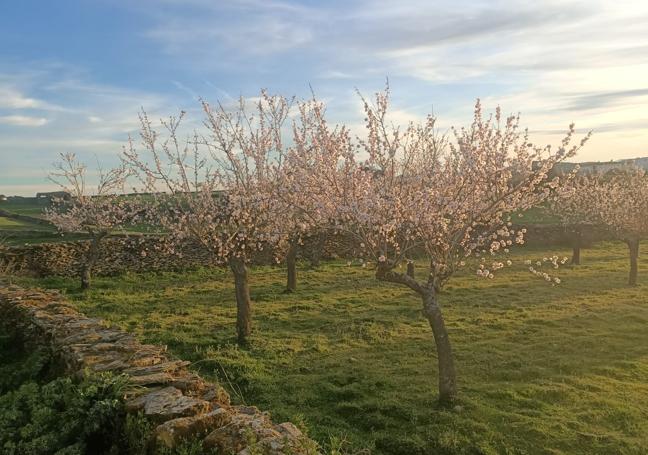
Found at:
(73, 73)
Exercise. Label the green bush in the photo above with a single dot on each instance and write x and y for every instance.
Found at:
(17, 366)
(40, 414)
(63, 417)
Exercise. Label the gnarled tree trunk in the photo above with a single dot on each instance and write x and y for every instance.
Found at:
(91, 257)
(291, 265)
(243, 302)
(633, 246)
(447, 373)
(432, 312)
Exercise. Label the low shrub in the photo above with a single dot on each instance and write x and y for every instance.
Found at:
(63, 416)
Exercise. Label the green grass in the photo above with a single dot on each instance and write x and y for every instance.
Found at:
(542, 370)
(11, 224)
(20, 232)
(26, 206)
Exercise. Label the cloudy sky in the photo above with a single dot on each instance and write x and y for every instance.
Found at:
(74, 73)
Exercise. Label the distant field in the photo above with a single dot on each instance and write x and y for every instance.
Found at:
(11, 224)
(20, 232)
(29, 207)
(542, 370)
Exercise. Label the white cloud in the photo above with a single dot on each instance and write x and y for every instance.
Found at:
(12, 99)
(22, 120)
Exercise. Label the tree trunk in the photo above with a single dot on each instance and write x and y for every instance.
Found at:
(243, 303)
(91, 257)
(447, 373)
(576, 249)
(576, 255)
(633, 245)
(432, 312)
(410, 269)
(291, 265)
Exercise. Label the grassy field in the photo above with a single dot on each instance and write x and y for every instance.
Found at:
(10, 224)
(19, 232)
(542, 370)
(26, 206)
(22, 232)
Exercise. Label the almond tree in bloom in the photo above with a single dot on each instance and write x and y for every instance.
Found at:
(406, 191)
(297, 188)
(95, 212)
(217, 189)
(618, 201)
(570, 204)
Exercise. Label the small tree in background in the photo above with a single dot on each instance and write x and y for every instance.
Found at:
(298, 185)
(406, 191)
(217, 189)
(619, 201)
(571, 205)
(96, 213)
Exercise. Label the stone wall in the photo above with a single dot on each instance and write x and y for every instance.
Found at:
(144, 253)
(117, 254)
(552, 235)
(180, 403)
(137, 253)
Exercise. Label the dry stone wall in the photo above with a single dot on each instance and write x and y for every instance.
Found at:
(137, 253)
(180, 403)
(117, 254)
(552, 235)
(146, 253)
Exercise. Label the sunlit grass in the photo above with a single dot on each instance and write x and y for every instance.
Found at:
(8, 223)
(556, 370)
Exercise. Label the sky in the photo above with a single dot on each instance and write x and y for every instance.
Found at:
(75, 73)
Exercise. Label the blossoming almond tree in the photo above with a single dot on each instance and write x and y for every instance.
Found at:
(297, 185)
(405, 191)
(619, 201)
(571, 205)
(216, 188)
(96, 213)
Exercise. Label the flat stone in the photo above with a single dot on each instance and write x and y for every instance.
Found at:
(234, 436)
(172, 432)
(216, 394)
(189, 383)
(168, 403)
(224, 439)
(114, 365)
(151, 379)
(137, 404)
(289, 430)
(162, 367)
